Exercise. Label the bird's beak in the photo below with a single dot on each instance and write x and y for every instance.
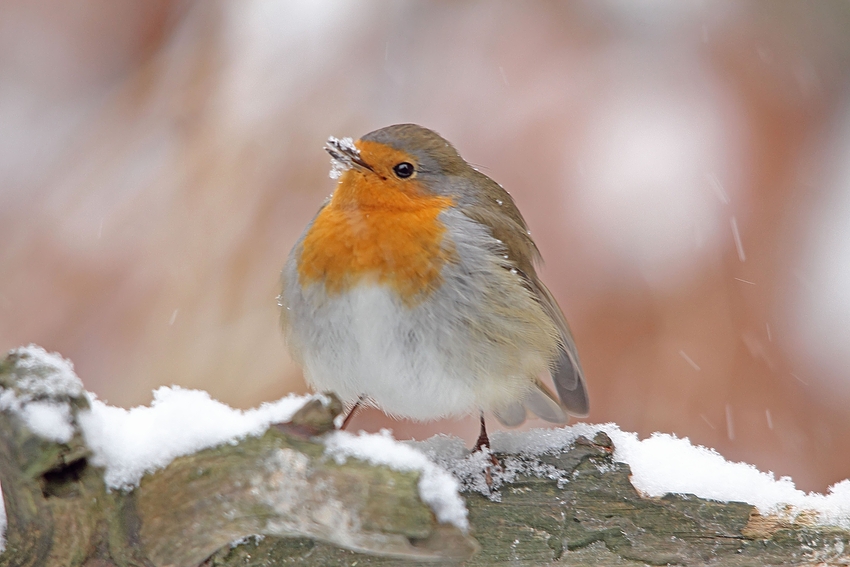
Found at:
(345, 154)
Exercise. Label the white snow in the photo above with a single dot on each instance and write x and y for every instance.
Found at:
(50, 420)
(55, 375)
(340, 166)
(44, 379)
(130, 443)
(660, 464)
(521, 449)
(664, 464)
(437, 488)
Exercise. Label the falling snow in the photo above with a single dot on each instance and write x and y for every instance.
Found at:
(737, 236)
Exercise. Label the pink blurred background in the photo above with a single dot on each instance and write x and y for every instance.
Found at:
(683, 166)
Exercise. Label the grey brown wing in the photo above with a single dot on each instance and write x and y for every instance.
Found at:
(567, 373)
(496, 209)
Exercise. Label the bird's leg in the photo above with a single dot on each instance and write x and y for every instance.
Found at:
(352, 411)
(483, 439)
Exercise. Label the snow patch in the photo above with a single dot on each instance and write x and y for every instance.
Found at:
(41, 380)
(437, 488)
(50, 420)
(254, 539)
(43, 374)
(130, 443)
(660, 464)
(341, 149)
(664, 464)
(518, 452)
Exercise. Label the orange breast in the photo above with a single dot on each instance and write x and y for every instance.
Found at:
(380, 230)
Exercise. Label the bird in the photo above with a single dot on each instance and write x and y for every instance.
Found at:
(414, 290)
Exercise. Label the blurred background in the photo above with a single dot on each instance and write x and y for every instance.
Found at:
(684, 167)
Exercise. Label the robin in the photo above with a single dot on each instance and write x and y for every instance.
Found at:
(414, 289)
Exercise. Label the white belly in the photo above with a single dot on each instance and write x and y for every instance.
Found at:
(381, 348)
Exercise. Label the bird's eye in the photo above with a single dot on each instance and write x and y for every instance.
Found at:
(403, 170)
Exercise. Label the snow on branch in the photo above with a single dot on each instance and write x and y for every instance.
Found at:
(188, 480)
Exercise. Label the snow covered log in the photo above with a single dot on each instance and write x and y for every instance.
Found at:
(61, 513)
(564, 497)
(591, 514)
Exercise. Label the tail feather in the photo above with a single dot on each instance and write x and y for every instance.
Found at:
(541, 402)
(569, 383)
(567, 373)
(511, 415)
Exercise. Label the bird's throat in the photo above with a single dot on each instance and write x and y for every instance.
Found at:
(371, 233)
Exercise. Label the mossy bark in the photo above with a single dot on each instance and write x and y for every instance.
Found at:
(309, 510)
(597, 518)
